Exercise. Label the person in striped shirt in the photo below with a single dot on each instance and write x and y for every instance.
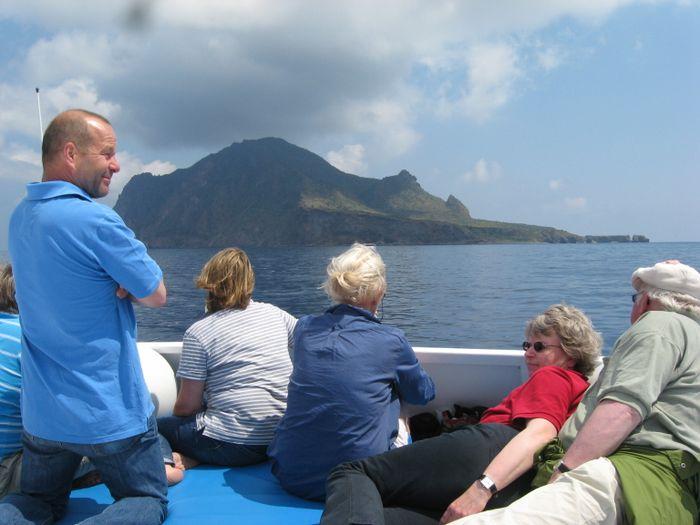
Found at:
(10, 385)
(234, 371)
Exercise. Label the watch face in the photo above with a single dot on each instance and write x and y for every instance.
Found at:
(488, 483)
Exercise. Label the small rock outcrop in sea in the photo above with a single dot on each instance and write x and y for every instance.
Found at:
(268, 192)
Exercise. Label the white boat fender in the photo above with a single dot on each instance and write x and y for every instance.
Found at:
(160, 380)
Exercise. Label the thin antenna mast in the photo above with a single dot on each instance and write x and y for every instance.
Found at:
(41, 125)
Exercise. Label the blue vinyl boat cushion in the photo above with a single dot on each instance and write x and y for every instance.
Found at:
(215, 495)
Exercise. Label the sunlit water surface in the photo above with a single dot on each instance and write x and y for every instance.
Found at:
(476, 296)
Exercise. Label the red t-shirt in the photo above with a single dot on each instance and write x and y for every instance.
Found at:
(551, 393)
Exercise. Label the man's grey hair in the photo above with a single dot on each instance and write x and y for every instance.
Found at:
(677, 302)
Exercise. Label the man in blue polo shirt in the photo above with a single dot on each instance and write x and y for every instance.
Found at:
(77, 270)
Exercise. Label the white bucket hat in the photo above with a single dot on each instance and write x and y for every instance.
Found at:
(672, 276)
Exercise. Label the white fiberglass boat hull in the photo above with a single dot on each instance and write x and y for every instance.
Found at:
(469, 377)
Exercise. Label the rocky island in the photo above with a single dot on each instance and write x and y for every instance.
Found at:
(268, 192)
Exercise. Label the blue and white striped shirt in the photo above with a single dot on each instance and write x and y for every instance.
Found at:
(10, 385)
(243, 357)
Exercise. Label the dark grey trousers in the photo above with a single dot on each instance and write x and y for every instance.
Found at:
(416, 483)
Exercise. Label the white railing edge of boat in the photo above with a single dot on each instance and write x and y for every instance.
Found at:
(467, 376)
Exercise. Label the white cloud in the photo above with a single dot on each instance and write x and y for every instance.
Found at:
(350, 159)
(20, 153)
(14, 175)
(214, 14)
(131, 165)
(51, 61)
(20, 111)
(19, 165)
(484, 171)
(77, 92)
(492, 71)
(576, 203)
(550, 58)
(472, 16)
(638, 45)
(554, 184)
(301, 70)
(388, 122)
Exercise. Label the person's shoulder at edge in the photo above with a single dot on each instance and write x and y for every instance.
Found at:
(201, 324)
(210, 320)
(88, 215)
(653, 325)
(255, 305)
(260, 307)
(656, 320)
(324, 318)
(382, 330)
(107, 214)
(227, 314)
(394, 332)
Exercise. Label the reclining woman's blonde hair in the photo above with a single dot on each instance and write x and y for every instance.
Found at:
(356, 276)
(229, 278)
(575, 331)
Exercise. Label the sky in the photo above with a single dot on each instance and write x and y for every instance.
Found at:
(578, 114)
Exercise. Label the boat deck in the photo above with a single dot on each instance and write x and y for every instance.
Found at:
(212, 495)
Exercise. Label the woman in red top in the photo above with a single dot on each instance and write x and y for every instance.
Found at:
(483, 465)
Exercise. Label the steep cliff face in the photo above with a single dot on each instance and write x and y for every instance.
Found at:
(269, 192)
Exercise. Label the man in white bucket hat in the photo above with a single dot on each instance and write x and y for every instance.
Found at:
(632, 448)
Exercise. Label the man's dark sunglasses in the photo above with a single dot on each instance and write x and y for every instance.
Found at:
(537, 345)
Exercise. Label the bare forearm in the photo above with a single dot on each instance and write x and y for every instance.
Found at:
(607, 427)
(510, 463)
(190, 398)
(518, 456)
(155, 300)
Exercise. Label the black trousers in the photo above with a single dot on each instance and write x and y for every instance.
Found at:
(416, 483)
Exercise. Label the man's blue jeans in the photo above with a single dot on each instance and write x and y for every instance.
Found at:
(132, 469)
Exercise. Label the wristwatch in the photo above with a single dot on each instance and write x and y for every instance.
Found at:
(488, 484)
(561, 467)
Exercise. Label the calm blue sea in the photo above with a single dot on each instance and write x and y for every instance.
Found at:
(477, 296)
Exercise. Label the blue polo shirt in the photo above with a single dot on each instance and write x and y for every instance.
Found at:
(82, 378)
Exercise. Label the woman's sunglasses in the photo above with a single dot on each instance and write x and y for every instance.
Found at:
(538, 346)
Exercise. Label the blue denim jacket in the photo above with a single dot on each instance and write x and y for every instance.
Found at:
(350, 373)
